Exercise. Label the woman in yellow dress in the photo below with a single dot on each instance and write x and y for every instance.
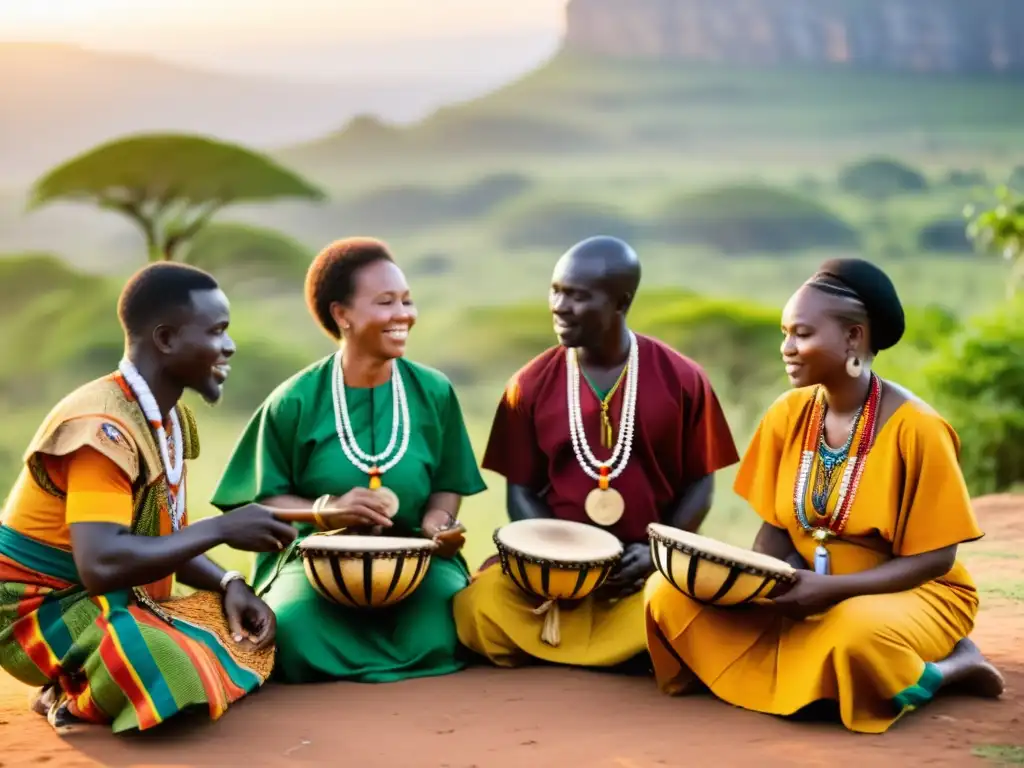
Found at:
(861, 479)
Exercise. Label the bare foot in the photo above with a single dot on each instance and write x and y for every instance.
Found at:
(61, 719)
(967, 669)
(42, 700)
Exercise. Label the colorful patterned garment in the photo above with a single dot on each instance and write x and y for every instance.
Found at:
(131, 658)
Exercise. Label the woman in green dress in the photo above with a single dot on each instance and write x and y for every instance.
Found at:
(358, 419)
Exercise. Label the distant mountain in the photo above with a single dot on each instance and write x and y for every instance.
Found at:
(58, 100)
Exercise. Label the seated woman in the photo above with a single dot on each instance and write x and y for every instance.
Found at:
(856, 475)
(361, 418)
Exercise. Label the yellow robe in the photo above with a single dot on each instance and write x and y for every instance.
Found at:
(497, 621)
(872, 654)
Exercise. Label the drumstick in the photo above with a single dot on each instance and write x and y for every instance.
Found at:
(305, 516)
(294, 515)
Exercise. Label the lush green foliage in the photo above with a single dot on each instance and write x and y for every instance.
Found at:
(976, 378)
(239, 253)
(1000, 229)
(753, 218)
(65, 329)
(582, 106)
(880, 178)
(944, 235)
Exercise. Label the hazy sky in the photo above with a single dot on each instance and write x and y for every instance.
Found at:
(199, 22)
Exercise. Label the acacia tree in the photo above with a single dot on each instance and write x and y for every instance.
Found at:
(170, 185)
(1000, 229)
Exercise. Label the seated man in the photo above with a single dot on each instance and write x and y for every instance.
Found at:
(96, 527)
(659, 459)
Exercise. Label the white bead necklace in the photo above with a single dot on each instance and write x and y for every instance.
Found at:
(173, 472)
(624, 442)
(370, 464)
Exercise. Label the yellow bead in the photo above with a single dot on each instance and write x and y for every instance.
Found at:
(375, 482)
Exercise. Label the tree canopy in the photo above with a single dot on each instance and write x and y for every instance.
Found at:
(170, 185)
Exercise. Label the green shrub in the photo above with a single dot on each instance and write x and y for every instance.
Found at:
(559, 224)
(1016, 180)
(966, 178)
(881, 177)
(25, 277)
(62, 339)
(735, 341)
(976, 379)
(751, 218)
(236, 253)
(945, 236)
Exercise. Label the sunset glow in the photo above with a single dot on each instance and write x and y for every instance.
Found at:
(104, 21)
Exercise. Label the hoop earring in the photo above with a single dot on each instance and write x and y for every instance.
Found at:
(853, 367)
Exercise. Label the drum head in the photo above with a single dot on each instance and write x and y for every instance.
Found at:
(358, 544)
(719, 550)
(559, 540)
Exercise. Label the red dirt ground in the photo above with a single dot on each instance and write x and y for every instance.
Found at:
(486, 718)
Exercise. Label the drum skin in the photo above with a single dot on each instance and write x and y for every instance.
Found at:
(710, 578)
(365, 578)
(549, 577)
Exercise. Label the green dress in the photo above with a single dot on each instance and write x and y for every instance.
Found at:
(290, 446)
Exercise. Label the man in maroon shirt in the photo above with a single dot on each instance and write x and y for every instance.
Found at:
(570, 410)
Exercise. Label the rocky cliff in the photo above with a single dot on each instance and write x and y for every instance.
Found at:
(911, 35)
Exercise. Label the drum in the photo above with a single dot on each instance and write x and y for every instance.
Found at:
(713, 572)
(553, 560)
(365, 571)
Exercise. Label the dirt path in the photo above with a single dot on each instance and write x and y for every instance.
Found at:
(552, 717)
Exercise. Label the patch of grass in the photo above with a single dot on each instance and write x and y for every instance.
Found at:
(993, 554)
(1010, 590)
(1002, 754)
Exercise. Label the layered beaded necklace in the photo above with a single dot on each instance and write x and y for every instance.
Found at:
(365, 462)
(824, 462)
(172, 452)
(604, 505)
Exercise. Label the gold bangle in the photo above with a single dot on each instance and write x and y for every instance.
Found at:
(318, 505)
(452, 519)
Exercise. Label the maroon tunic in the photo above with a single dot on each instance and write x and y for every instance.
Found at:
(680, 435)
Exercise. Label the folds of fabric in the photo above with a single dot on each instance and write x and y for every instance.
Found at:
(873, 655)
(116, 660)
(291, 447)
(498, 622)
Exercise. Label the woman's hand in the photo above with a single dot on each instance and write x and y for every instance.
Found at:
(444, 529)
(812, 593)
(359, 508)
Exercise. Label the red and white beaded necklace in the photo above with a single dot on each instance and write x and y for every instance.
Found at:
(172, 453)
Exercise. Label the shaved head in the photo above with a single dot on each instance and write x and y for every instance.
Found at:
(606, 262)
(592, 289)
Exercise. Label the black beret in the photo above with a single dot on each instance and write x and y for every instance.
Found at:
(873, 288)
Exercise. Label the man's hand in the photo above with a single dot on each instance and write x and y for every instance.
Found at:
(631, 574)
(250, 620)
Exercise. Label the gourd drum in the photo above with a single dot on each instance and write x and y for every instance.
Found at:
(554, 560)
(365, 571)
(713, 572)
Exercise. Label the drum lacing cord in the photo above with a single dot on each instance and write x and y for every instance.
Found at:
(282, 560)
(550, 632)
